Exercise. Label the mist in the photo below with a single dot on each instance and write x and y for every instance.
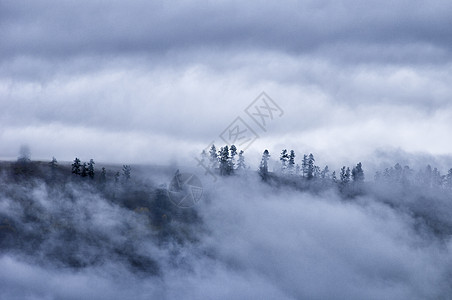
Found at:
(225, 149)
(65, 237)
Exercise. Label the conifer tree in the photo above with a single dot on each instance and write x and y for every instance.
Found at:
(310, 167)
(345, 175)
(449, 179)
(304, 166)
(224, 161)
(263, 167)
(126, 170)
(358, 173)
(231, 165)
(213, 157)
(334, 177)
(284, 158)
(241, 161)
(76, 166)
(91, 168)
(291, 163)
(103, 175)
(84, 171)
(325, 173)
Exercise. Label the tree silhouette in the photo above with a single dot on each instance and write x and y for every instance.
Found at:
(241, 161)
(126, 170)
(76, 166)
(91, 168)
(358, 173)
(263, 167)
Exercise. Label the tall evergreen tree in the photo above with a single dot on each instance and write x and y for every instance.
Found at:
(263, 167)
(126, 170)
(310, 167)
(345, 175)
(76, 166)
(91, 168)
(291, 163)
(449, 179)
(213, 157)
(304, 166)
(241, 161)
(325, 173)
(284, 158)
(84, 171)
(334, 177)
(103, 175)
(358, 173)
(224, 161)
(232, 163)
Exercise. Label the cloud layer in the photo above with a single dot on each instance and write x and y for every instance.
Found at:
(351, 77)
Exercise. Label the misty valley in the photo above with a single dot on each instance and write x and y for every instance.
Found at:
(276, 232)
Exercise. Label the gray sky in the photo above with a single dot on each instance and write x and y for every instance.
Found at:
(156, 82)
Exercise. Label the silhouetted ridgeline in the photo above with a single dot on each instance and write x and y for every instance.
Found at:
(107, 221)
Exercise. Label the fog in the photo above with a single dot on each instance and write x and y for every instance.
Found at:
(245, 239)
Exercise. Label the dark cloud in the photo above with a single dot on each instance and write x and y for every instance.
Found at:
(50, 30)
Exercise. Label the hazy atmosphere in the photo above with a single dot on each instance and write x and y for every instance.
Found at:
(125, 77)
(122, 125)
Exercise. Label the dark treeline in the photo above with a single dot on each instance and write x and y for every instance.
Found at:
(227, 161)
(53, 210)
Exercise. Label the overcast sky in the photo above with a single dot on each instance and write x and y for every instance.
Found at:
(158, 81)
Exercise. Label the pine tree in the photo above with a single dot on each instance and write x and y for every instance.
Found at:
(126, 170)
(263, 167)
(304, 166)
(317, 172)
(91, 168)
(291, 163)
(241, 161)
(76, 166)
(449, 179)
(213, 157)
(224, 161)
(358, 173)
(325, 173)
(284, 157)
(231, 165)
(310, 167)
(84, 172)
(117, 177)
(334, 177)
(345, 175)
(103, 175)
